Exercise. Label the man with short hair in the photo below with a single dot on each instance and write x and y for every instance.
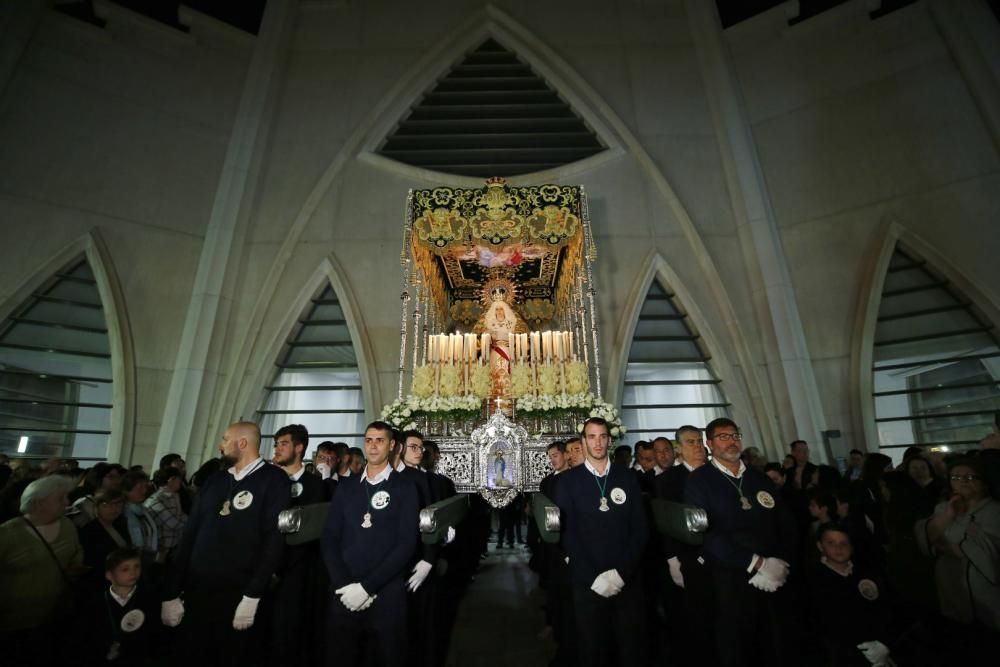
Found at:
(604, 531)
(165, 507)
(855, 460)
(357, 462)
(230, 549)
(665, 454)
(555, 573)
(368, 542)
(293, 604)
(803, 468)
(748, 545)
(645, 465)
(574, 452)
(686, 563)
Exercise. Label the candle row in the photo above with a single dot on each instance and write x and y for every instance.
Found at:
(544, 346)
(537, 346)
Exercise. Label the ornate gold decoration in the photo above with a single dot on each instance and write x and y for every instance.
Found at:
(554, 225)
(538, 310)
(499, 287)
(465, 311)
(439, 227)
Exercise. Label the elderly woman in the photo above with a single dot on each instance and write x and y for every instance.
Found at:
(39, 551)
(964, 536)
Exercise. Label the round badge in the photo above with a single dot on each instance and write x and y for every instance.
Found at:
(380, 500)
(296, 489)
(242, 500)
(618, 496)
(765, 499)
(868, 589)
(133, 620)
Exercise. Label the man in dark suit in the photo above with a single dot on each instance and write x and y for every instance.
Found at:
(294, 603)
(693, 594)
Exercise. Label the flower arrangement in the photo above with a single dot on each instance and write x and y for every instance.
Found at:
(556, 406)
(548, 379)
(521, 382)
(423, 381)
(451, 381)
(577, 377)
(403, 413)
(479, 381)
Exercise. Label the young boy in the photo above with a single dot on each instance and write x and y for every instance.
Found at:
(120, 622)
(850, 613)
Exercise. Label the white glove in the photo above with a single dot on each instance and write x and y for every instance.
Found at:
(324, 470)
(776, 570)
(675, 571)
(245, 611)
(762, 582)
(420, 572)
(353, 596)
(368, 603)
(171, 612)
(451, 535)
(876, 652)
(608, 584)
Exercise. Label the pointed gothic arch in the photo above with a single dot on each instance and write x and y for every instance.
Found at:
(663, 370)
(321, 376)
(66, 360)
(926, 352)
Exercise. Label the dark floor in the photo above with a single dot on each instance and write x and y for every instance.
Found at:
(501, 619)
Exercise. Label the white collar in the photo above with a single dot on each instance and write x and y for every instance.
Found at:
(637, 467)
(346, 474)
(657, 470)
(725, 470)
(248, 470)
(122, 601)
(379, 478)
(297, 476)
(400, 466)
(688, 466)
(416, 468)
(593, 470)
(850, 567)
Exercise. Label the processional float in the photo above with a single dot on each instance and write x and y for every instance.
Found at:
(499, 338)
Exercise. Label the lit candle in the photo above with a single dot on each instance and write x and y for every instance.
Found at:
(484, 348)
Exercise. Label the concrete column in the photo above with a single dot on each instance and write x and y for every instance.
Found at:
(755, 219)
(972, 35)
(193, 380)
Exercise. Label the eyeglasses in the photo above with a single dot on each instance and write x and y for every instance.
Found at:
(964, 478)
(415, 448)
(727, 437)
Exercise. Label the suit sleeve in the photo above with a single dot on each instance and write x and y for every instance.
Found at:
(718, 545)
(396, 560)
(272, 541)
(330, 543)
(638, 530)
(174, 585)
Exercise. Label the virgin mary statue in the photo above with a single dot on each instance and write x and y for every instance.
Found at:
(500, 320)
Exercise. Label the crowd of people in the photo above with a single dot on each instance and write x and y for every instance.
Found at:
(800, 564)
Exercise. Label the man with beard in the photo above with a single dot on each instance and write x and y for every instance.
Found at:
(230, 549)
(748, 546)
(574, 452)
(294, 602)
(604, 531)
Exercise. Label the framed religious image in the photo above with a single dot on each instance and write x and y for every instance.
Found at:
(499, 447)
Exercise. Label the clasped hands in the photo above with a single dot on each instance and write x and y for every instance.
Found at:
(355, 597)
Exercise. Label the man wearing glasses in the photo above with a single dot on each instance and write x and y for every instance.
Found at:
(748, 546)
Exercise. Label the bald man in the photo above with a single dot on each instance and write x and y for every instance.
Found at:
(230, 550)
